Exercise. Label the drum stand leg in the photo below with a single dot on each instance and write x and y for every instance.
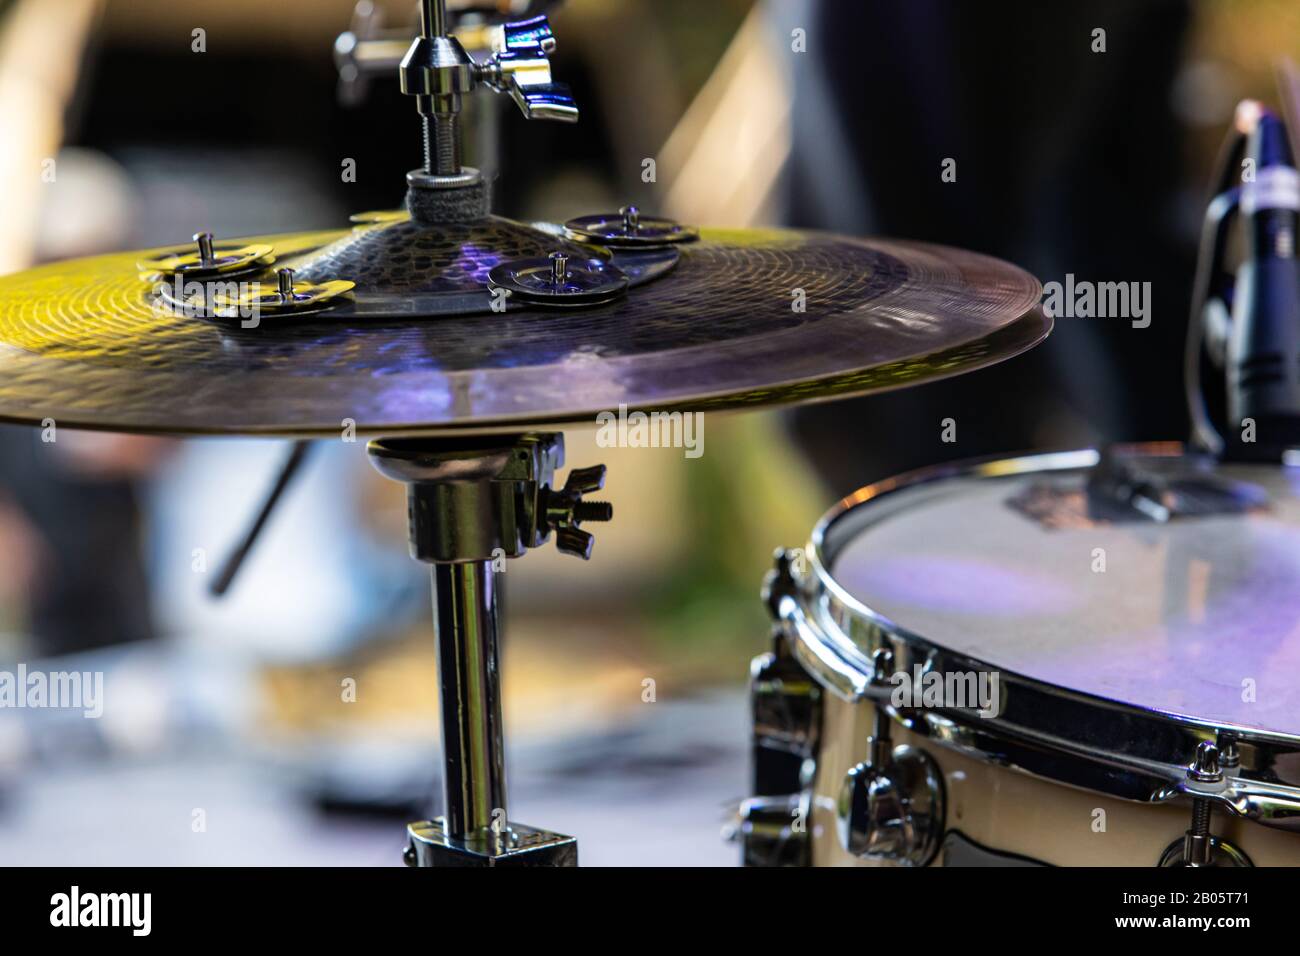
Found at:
(472, 503)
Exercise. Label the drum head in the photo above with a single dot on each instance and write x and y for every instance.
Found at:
(1197, 616)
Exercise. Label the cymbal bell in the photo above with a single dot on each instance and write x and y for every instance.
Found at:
(738, 318)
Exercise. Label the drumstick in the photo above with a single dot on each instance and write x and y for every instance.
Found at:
(235, 561)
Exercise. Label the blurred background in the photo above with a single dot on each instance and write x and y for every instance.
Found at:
(167, 117)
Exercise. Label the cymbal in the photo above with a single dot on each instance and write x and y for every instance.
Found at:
(83, 342)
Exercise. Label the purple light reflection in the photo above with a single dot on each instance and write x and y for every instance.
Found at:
(959, 585)
(477, 262)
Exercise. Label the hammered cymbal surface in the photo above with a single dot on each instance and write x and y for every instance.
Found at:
(82, 343)
(401, 256)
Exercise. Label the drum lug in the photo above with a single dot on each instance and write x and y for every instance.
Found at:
(773, 831)
(893, 812)
(892, 808)
(786, 708)
(785, 703)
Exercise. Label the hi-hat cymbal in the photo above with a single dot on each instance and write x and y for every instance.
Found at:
(745, 318)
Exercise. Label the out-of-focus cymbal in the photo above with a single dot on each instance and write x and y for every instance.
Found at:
(84, 342)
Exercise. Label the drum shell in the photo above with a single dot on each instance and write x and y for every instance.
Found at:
(1011, 812)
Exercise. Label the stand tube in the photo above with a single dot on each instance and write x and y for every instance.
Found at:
(472, 501)
(467, 631)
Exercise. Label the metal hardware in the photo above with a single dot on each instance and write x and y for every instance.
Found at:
(786, 706)
(367, 49)
(428, 382)
(629, 228)
(289, 297)
(557, 280)
(429, 845)
(777, 582)
(1130, 752)
(1123, 489)
(209, 259)
(520, 67)
(784, 699)
(470, 502)
(1199, 847)
(1220, 854)
(564, 511)
(467, 622)
(503, 483)
(892, 808)
(773, 831)
(437, 71)
(402, 269)
(559, 268)
(1204, 772)
(1229, 755)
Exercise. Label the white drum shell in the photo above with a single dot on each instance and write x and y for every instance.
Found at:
(1011, 812)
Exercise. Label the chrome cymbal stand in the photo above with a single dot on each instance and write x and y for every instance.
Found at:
(472, 503)
(475, 502)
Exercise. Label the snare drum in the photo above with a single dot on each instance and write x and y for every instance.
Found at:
(1068, 659)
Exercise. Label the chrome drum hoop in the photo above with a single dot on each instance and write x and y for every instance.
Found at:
(1048, 731)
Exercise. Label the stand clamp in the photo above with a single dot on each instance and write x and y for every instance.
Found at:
(471, 502)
